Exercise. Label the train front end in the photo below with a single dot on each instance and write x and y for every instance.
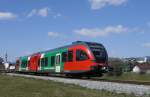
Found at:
(100, 56)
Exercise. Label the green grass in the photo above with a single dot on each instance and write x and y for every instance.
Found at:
(129, 76)
(28, 87)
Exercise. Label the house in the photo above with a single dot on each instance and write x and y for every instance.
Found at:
(6, 65)
(141, 68)
(11, 67)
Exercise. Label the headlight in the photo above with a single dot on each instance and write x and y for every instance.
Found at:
(103, 68)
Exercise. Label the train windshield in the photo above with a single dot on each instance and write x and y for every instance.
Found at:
(99, 52)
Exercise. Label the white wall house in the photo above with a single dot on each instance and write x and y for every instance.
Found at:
(6, 66)
(136, 69)
(142, 68)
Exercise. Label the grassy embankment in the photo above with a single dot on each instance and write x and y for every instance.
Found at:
(28, 87)
(129, 77)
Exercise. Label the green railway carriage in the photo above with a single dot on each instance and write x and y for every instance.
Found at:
(24, 63)
(48, 61)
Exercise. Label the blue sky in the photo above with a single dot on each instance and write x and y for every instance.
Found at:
(28, 26)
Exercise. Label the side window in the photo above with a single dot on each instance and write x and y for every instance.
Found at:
(24, 63)
(64, 56)
(46, 61)
(52, 60)
(81, 55)
(42, 62)
(58, 59)
(70, 56)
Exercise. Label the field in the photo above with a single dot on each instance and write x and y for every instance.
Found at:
(28, 87)
(129, 77)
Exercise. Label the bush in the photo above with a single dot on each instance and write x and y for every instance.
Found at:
(116, 66)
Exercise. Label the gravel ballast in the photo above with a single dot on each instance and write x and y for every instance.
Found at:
(138, 90)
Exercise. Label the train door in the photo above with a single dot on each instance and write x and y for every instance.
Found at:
(34, 63)
(58, 63)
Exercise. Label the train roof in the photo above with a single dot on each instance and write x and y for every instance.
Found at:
(63, 47)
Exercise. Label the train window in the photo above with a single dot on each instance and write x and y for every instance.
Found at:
(58, 59)
(52, 60)
(81, 55)
(64, 56)
(70, 56)
(42, 62)
(46, 61)
(24, 63)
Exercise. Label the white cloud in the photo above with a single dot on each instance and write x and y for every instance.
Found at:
(33, 12)
(148, 24)
(7, 16)
(53, 34)
(43, 12)
(98, 4)
(57, 15)
(96, 32)
(147, 45)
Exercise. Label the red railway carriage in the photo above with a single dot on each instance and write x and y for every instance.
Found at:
(33, 62)
(81, 58)
(88, 58)
(17, 64)
(79, 64)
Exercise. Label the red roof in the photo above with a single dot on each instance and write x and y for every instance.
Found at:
(144, 66)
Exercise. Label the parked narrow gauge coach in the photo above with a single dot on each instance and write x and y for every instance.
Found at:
(79, 58)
